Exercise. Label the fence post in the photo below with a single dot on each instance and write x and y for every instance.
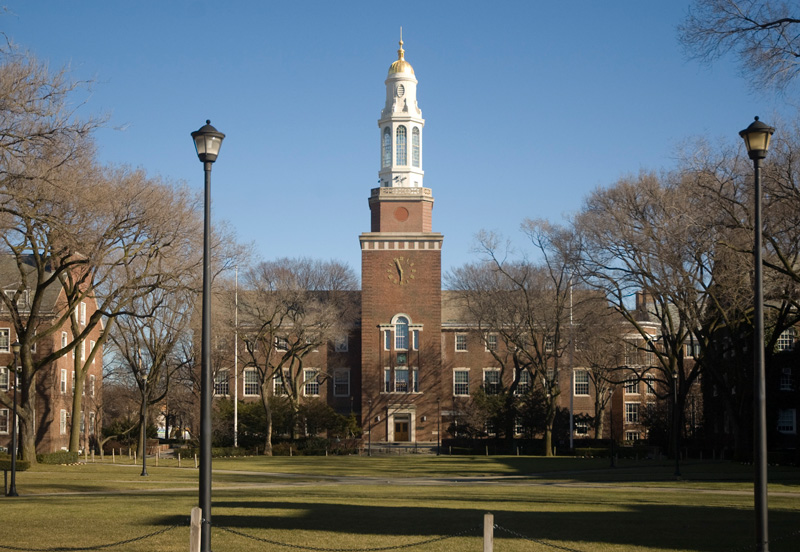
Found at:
(194, 534)
(488, 532)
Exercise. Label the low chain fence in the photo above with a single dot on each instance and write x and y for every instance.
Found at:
(488, 528)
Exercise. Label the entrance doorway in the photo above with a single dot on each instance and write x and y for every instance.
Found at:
(401, 424)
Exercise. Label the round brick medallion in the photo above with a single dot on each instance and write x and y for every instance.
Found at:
(401, 214)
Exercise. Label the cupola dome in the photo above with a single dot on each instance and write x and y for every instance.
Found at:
(401, 65)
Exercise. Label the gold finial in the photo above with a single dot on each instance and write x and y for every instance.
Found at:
(401, 52)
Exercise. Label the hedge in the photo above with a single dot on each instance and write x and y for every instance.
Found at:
(60, 457)
(5, 463)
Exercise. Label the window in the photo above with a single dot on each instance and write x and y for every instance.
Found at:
(341, 345)
(631, 435)
(387, 340)
(311, 382)
(62, 422)
(650, 385)
(92, 422)
(91, 385)
(83, 314)
(787, 383)
(279, 383)
(491, 381)
(22, 301)
(692, 349)
(4, 386)
(341, 383)
(632, 386)
(581, 428)
(64, 340)
(548, 344)
(630, 350)
(491, 342)
(387, 380)
(400, 145)
(387, 148)
(63, 381)
(786, 340)
(415, 146)
(461, 383)
(4, 425)
(5, 340)
(251, 386)
(415, 340)
(221, 385)
(787, 421)
(631, 413)
(401, 333)
(281, 344)
(581, 382)
(401, 380)
(461, 342)
(73, 382)
(524, 384)
(83, 351)
(83, 423)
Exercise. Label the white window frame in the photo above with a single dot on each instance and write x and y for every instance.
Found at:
(341, 377)
(222, 383)
(281, 344)
(580, 385)
(5, 380)
(63, 381)
(92, 422)
(83, 351)
(62, 422)
(486, 383)
(255, 383)
(650, 384)
(5, 421)
(631, 385)
(632, 436)
(462, 346)
(5, 340)
(83, 314)
(631, 413)
(581, 428)
(786, 381)
(525, 382)
(92, 379)
(311, 385)
(490, 342)
(457, 383)
(91, 348)
(786, 340)
(279, 384)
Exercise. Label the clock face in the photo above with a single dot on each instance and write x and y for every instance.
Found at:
(401, 271)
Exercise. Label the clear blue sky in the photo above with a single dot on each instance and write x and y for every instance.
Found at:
(528, 105)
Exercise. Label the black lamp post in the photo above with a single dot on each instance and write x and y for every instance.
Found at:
(207, 141)
(143, 429)
(676, 425)
(12, 489)
(756, 138)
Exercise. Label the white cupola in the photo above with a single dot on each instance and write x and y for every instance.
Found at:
(400, 126)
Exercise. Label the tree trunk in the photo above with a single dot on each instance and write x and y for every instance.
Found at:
(77, 406)
(26, 409)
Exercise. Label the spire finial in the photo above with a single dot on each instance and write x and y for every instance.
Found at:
(401, 52)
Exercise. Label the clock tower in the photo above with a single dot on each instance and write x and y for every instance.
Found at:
(401, 279)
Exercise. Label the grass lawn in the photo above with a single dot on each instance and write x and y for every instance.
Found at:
(359, 502)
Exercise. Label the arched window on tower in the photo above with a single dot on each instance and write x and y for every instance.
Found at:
(401, 334)
(415, 147)
(402, 148)
(386, 159)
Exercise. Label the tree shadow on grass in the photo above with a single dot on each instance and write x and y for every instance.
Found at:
(701, 528)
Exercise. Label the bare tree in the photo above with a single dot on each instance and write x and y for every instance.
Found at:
(762, 33)
(290, 308)
(525, 307)
(145, 344)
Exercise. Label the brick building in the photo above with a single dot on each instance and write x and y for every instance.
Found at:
(55, 381)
